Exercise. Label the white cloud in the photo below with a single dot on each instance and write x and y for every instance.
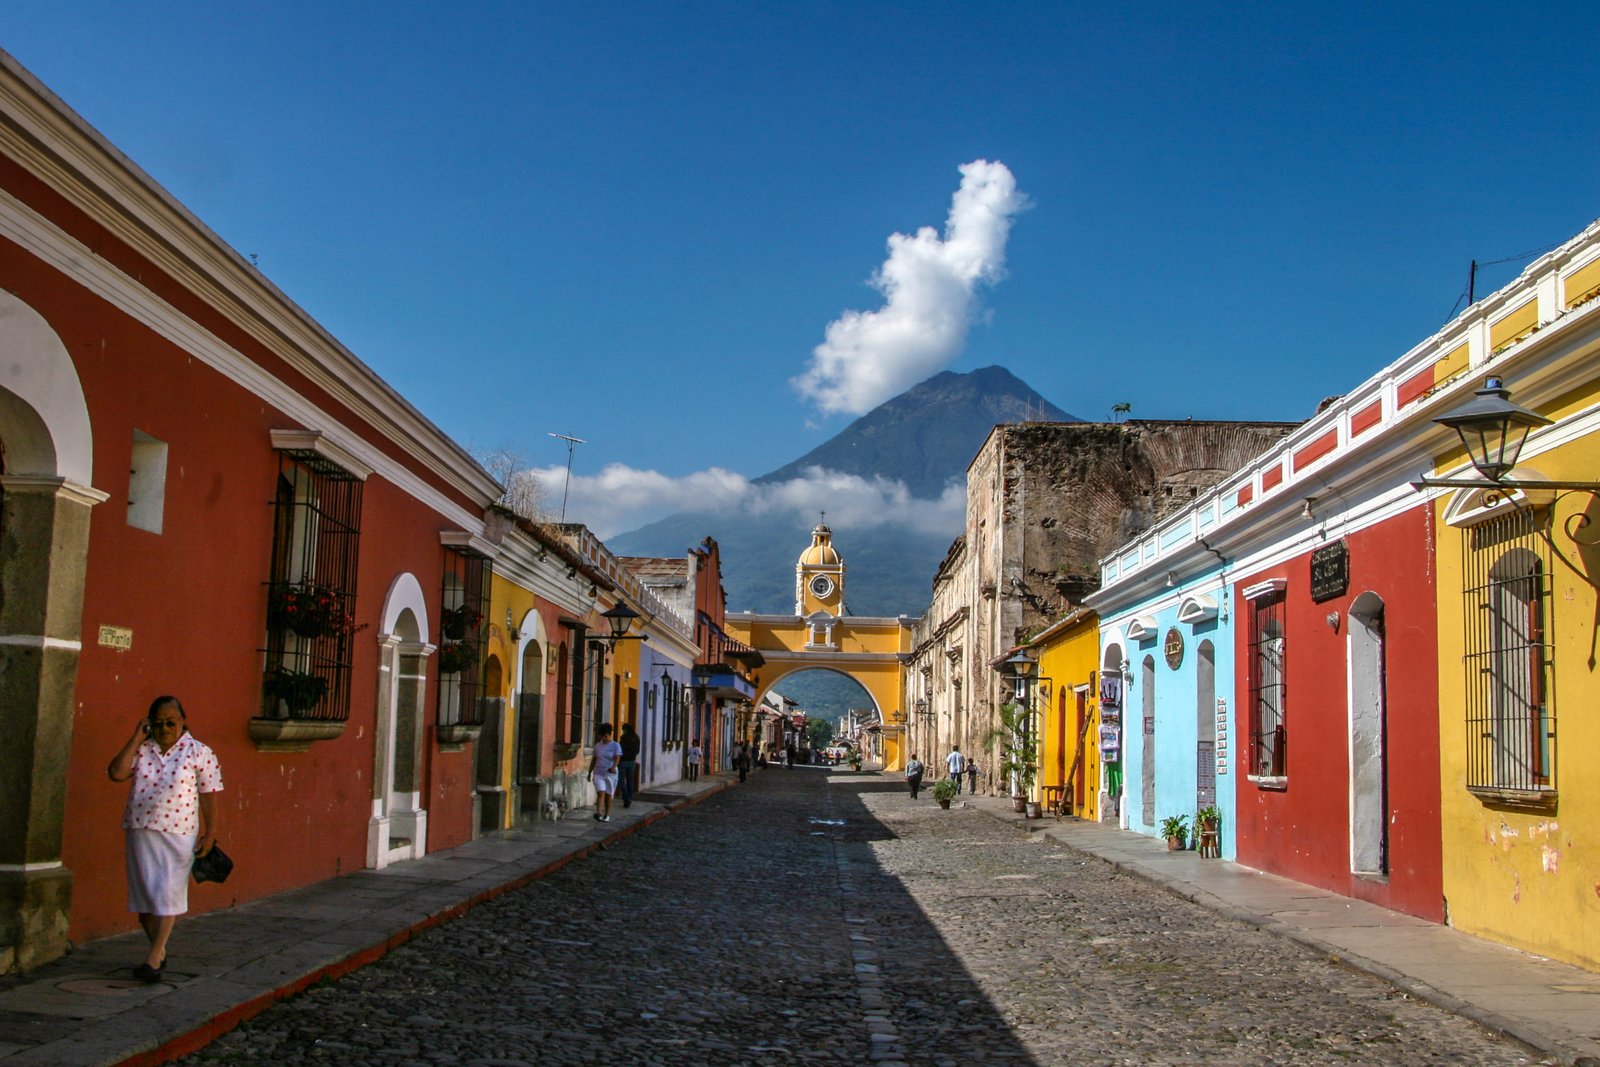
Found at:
(623, 498)
(929, 285)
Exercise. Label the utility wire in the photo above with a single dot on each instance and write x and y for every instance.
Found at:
(1467, 292)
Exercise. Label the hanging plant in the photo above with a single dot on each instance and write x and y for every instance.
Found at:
(299, 690)
(309, 609)
(456, 623)
(457, 657)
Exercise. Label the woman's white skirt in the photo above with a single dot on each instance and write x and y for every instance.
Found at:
(158, 871)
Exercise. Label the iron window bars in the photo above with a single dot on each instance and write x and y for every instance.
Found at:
(463, 607)
(311, 594)
(1269, 727)
(1510, 708)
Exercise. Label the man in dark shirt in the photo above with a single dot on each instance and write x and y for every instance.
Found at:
(629, 767)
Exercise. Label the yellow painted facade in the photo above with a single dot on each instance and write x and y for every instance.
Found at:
(1521, 833)
(1068, 654)
(501, 682)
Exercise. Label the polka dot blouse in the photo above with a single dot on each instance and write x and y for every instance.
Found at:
(167, 787)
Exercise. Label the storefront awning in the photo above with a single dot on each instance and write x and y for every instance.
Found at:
(722, 683)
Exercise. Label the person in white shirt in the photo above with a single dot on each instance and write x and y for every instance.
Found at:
(603, 771)
(695, 755)
(957, 763)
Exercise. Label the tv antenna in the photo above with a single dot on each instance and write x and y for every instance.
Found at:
(572, 444)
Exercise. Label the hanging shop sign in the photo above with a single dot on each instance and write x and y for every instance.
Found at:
(1172, 646)
(1110, 690)
(1330, 571)
(1110, 742)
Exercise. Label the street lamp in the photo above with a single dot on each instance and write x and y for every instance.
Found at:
(620, 620)
(1021, 667)
(1493, 431)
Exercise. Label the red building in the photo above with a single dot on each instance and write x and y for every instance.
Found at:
(205, 494)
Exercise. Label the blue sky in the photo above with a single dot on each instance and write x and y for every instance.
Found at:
(638, 221)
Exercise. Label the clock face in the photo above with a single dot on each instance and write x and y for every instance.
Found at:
(821, 586)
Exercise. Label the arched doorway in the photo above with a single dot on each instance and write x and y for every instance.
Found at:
(1369, 755)
(398, 827)
(1113, 700)
(1205, 726)
(831, 695)
(529, 747)
(1147, 751)
(46, 465)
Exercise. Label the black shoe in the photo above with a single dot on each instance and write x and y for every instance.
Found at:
(148, 974)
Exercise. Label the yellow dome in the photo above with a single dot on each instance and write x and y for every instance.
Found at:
(821, 552)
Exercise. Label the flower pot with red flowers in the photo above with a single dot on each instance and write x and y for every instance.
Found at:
(456, 623)
(309, 609)
(457, 657)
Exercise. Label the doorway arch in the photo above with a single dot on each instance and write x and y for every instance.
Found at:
(46, 466)
(397, 828)
(1369, 744)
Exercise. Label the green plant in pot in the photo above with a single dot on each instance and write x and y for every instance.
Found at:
(456, 623)
(1175, 828)
(1019, 751)
(299, 691)
(944, 791)
(456, 657)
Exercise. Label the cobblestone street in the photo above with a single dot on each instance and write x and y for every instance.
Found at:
(816, 917)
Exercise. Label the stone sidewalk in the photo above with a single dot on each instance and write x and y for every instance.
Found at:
(1551, 1007)
(227, 966)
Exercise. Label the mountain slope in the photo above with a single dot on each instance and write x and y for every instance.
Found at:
(925, 437)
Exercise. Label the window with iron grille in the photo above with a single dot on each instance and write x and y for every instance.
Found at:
(462, 607)
(1269, 723)
(593, 702)
(311, 593)
(1510, 708)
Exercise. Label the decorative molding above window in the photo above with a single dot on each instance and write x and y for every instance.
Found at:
(309, 445)
(1142, 628)
(1264, 588)
(1468, 507)
(468, 544)
(1197, 608)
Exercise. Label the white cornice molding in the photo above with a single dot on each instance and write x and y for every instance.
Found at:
(50, 141)
(21, 224)
(830, 654)
(1267, 587)
(61, 487)
(468, 542)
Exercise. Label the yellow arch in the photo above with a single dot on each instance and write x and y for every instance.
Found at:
(866, 650)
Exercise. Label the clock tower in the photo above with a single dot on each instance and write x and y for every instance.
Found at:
(819, 576)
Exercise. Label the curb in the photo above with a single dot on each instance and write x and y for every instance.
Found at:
(201, 1036)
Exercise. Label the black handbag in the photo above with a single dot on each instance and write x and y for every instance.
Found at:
(214, 866)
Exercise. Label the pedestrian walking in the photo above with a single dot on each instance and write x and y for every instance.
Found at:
(628, 768)
(170, 818)
(603, 771)
(741, 762)
(914, 769)
(957, 763)
(972, 776)
(789, 755)
(694, 761)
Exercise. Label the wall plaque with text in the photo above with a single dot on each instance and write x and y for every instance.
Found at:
(1330, 571)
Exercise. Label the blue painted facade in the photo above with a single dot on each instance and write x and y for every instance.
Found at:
(1177, 746)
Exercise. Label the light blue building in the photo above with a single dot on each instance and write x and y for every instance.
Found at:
(1165, 626)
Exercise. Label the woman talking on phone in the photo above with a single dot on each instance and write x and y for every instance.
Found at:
(170, 818)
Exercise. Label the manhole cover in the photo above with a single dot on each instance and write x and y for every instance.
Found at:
(101, 987)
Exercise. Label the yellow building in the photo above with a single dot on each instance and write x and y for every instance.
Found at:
(1517, 567)
(1067, 713)
(820, 635)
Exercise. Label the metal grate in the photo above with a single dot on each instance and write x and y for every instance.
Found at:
(1269, 726)
(1510, 708)
(311, 598)
(463, 607)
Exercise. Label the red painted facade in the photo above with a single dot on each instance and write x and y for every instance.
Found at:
(1303, 830)
(194, 595)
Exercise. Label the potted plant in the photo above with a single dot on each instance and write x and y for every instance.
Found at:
(299, 691)
(944, 791)
(456, 657)
(1207, 824)
(309, 609)
(455, 623)
(1175, 828)
(1019, 755)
